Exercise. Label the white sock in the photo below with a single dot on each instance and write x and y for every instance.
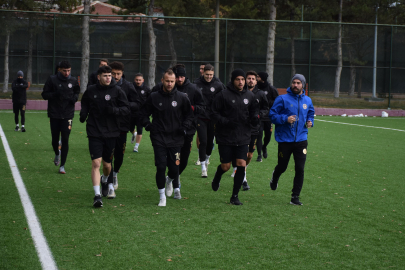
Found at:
(22, 125)
(234, 169)
(176, 189)
(104, 178)
(203, 167)
(162, 193)
(17, 125)
(207, 158)
(96, 190)
(110, 186)
(137, 144)
(115, 174)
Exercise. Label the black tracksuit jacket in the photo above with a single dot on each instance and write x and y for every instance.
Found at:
(209, 91)
(143, 94)
(271, 94)
(196, 99)
(19, 87)
(264, 109)
(133, 101)
(92, 79)
(233, 112)
(62, 94)
(95, 103)
(171, 116)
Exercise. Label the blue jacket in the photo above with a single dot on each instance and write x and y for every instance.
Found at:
(287, 105)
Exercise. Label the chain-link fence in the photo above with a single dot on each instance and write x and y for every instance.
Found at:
(309, 48)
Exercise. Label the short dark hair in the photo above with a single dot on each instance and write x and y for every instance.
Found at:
(103, 69)
(208, 67)
(138, 75)
(117, 65)
(169, 72)
(204, 64)
(103, 60)
(179, 65)
(64, 64)
(251, 72)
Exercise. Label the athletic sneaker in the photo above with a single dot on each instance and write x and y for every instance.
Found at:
(295, 200)
(98, 202)
(264, 152)
(215, 185)
(207, 162)
(23, 129)
(133, 139)
(62, 170)
(17, 128)
(177, 194)
(169, 187)
(198, 163)
(259, 158)
(204, 174)
(104, 187)
(235, 200)
(111, 194)
(136, 149)
(273, 183)
(245, 186)
(56, 161)
(162, 202)
(233, 173)
(115, 182)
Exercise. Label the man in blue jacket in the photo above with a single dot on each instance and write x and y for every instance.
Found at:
(292, 115)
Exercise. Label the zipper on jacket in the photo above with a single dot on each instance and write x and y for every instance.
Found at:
(298, 118)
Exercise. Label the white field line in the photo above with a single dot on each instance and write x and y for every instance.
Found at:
(350, 124)
(44, 253)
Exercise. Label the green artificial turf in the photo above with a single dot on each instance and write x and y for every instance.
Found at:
(352, 217)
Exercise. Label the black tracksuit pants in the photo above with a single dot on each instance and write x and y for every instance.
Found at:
(265, 126)
(205, 129)
(17, 109)
(119, 151)
(185, 152)
(167, 157)
(62, 128)
(299, 152)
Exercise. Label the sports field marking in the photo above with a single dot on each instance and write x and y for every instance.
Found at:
(44, 253)
(350, 124)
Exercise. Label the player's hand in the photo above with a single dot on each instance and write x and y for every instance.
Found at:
(309, 124)
(82, 119)
(181, 131)
(150, 127)
(291, 119)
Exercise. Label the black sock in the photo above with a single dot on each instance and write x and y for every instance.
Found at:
(218, 174)
(238, 179)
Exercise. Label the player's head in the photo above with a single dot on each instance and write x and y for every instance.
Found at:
(103, 62)
(180, 72)
(117, 70)
(20, 74)
(104, 75)
(65, 68)
(262, 76)
(208, 72)
(297, 83)
(251, 79)
(238, 79)
(202, 65)
(139, 79)
(168, 80)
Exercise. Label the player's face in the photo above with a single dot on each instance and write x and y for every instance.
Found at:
(202, 69)
(117, 74)
(168, 82)
(208, 75)
(296, 86)
(251, 81)
(139, 80)
(180, 80)
(20, 77)
(104, 78)
(239, 83)
(102, 63)
(259, 79)
(65, 71)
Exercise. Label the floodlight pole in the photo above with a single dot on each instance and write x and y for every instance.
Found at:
(375, 56)
(217, 41)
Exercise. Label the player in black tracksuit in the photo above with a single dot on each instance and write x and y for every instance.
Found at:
(205, 127)
(93, 76)
(172, 116)
(194, 94)
(266, 127)
(117, 72)
(102, 105)
(143, 94)
(19, 99)
(62, 91)
(234, 110)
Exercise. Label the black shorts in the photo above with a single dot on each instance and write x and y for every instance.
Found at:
(136, 121)
(17, 107)
(252, 144)
(102, 148)
(167, 155)
(227, 153)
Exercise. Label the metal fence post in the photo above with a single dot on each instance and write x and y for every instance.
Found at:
(226, 47)
(54, 43)
(310, 56)
(389, 89)
(140, 46)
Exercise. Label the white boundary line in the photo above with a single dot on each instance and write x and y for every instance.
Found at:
(358, 125)
(44, 253)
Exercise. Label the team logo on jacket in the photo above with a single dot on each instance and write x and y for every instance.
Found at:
(107, 97)
(174, 103)
(212, 89)
(246, 101)
(160, 104)
(304, 106)
(142, 92)
(266, 92)
(233, 101)
(70, 85)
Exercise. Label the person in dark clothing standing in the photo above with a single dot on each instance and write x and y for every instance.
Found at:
(172, 116)
(19, 99)
(266, 126)
(143, 93)
(234, 111)
(292, 114)
(102, 105)
(194, 94)
(205, 127)
(62, 91)
(117, 72)
(93, 76)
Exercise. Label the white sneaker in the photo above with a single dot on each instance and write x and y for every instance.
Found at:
(115, 182)
(177, 194)
(169, 187)
(111, 194)
(162, 202)
(136, 149)
(204, 174)
(207, 162)
(233, 174)
(133, 139)
(62, 170)
(198, 163)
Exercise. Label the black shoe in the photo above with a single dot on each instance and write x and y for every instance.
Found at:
(98, 202)
(273, 183)
(245, 186)
(16, 128)
(23, 129)
(295, 200)
(104, 187)
(235, 200)
(215, 185)
(259, 158)
(264, 152)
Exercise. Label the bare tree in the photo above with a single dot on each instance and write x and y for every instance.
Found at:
(84, 71)
(271, 37)
(152, 46)
(6, 52)
(339, 53)
(171, 42)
